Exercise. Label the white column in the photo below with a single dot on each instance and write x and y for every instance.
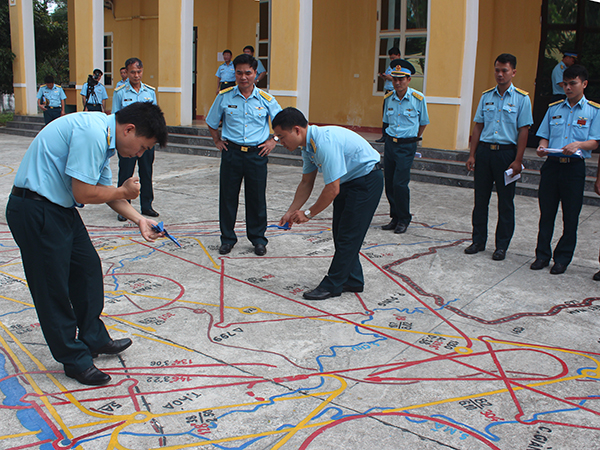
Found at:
(29, 57)
(187, 36)
(468, 74)
(304, 56)
(98, 36)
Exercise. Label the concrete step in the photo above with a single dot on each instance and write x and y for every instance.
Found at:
(18, 131)
(34, 126)
(29, 119)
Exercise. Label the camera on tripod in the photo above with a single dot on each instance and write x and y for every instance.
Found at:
(92, 80)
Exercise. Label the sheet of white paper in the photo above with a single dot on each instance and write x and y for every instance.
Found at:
(559, 152)
(510, 178)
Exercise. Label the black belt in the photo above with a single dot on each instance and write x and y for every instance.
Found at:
(53, 107)
(405, 140)
(563, 159)
(243, 148)
(498, 146)
(377, 166)
(26, 193)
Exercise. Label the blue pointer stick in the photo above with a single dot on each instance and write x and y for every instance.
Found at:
(160, 229)
(286, 226)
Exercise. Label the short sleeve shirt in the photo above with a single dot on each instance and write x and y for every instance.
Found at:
(564, 124)
(388, 85)
(405, 115)
(557, 77)
(337, 153)
(126, 95)
(97, 96)
(245, 120)
(502, 116)
(121, 82)
(226, 72)
(260, 68)
(52, 97)
(77, 146)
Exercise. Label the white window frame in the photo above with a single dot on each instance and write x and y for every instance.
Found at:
(402, 34)
(112, 60)
(259, 41)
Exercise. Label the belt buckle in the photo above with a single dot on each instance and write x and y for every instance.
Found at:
(394, 139)
(244, 149)
(563, 160)
(494, 147)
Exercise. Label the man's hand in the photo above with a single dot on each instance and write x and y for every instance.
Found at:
(470, 163)
(298, 217)
(571, 148)
(131, 187)
(541, 151)
(516, 167)
(221, 144)
(145, 226)
(287, 218)
(266, 147)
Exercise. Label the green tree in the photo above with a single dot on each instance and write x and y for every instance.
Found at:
(6, 54)
(51, 40)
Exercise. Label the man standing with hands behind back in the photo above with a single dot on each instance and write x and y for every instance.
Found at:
(498, 141)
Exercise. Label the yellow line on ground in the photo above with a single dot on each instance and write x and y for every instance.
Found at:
(11, 275)
(215, 265)
(16, 301)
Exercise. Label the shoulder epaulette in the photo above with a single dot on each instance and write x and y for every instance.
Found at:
(150, 87)
(120, 87)
(488, 90)
(266, 96)
(389, 94)
(555, 103)
(417, 95)
(594, 104)
(226, 90)
(43, 85)
(521, 91)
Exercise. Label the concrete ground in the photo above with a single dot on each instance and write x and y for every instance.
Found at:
(442, 350)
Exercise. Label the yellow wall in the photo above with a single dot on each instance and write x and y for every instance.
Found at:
(17, 44)
(284, 47)
(169, 59)
(521, 38)
(344, 36)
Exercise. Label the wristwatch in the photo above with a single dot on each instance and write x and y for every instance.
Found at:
(307, 214)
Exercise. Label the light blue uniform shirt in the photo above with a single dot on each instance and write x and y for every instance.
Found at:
(260, 69)
(563, 124)
(245, 121)
(226, 72)
(557, 77)
(405, 115)
(337, 153)
(388, 85)
(503, 116)
(97, 96)
(53, 96)
(121, 83)
(126, 95)
(73, 146)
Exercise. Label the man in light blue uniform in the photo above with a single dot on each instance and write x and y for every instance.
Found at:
(405, 112)
(572, 125)
(68, 165)
(136, 91)
(388, 85)
(261, 72)
(124, 77)
(94, 98)
(51, 99)
(498, 143)
(557, 75)
(244, 144)
(353, 182)
(225, 72)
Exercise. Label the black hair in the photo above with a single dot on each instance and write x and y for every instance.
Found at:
(394, 51)
(245, 59)
(507, 58)
(122, 68)
(288, 118)
(227, 51)
(575, 71)
(48, 79)
(249, 47)
(131, 61)
(148, 119)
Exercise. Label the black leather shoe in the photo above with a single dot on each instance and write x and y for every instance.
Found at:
(390, 226)
(319, 294)
(352, 288)
(474, 248)
(499, 255)
(558, 268)
(260, 249)
(113, 347)
(150, 213)
(225, 248)
(401, 228)
(539, 264)
(381, 139)
(92, 376)
(121, 218)
(596, 276)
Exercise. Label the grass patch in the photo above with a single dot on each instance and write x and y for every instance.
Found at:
(4, 118)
